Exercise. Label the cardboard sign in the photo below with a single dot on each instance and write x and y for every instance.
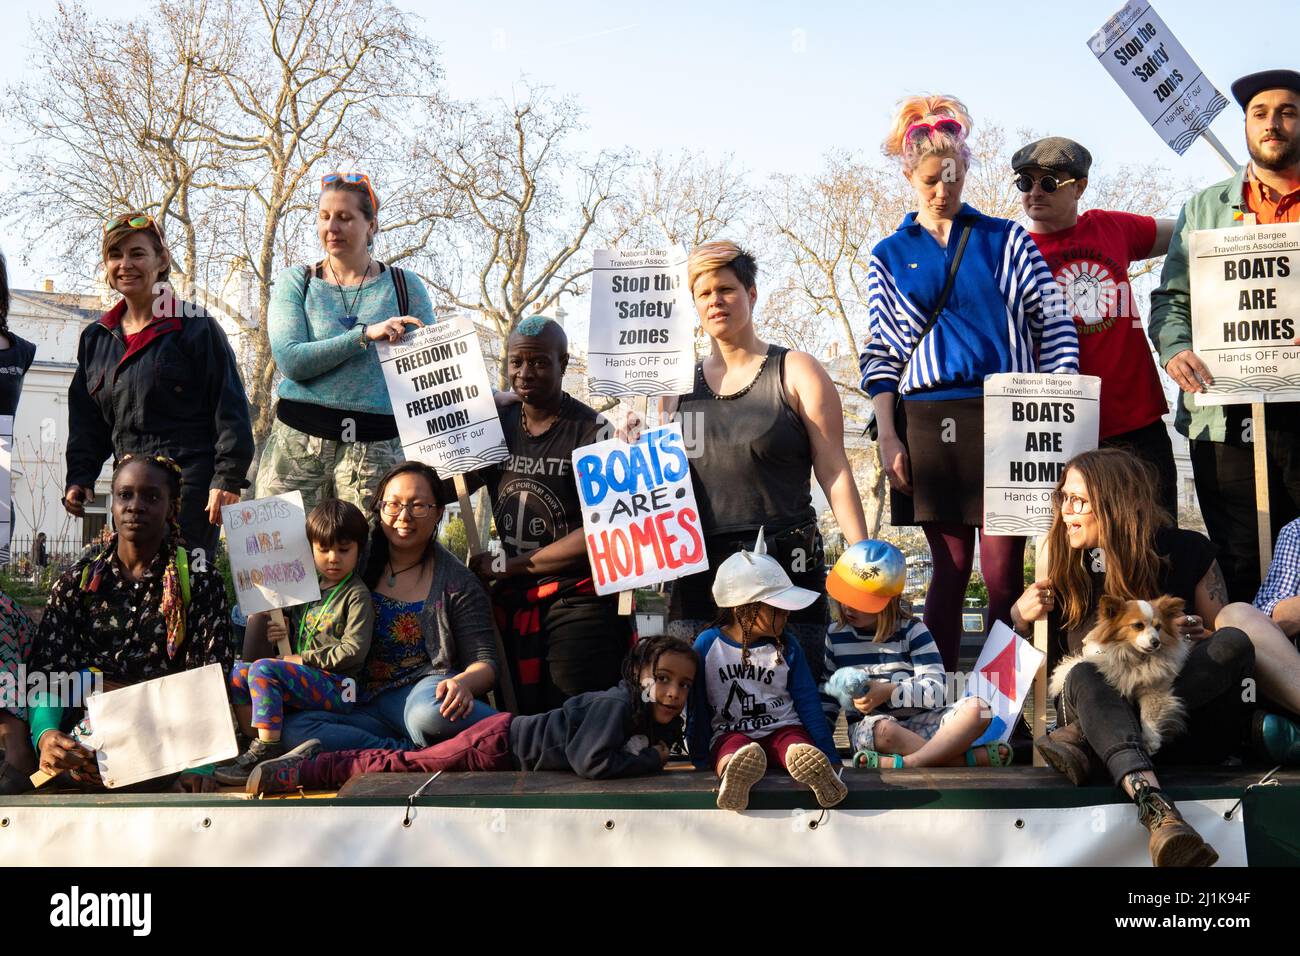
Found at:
(442, 397)
(1033, 424)
(1245, 284)
(1002, 677)
(1157, 74)
(270, 558)
(161, 726)
(641, 335)
(638, 510)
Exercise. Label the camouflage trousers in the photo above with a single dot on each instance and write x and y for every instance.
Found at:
(322, 468)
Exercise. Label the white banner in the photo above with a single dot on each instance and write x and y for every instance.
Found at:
(641, 336)
(638, 510)
(1033, 424)
(271, 562)
(1245, 284)
(289, 833)
(1157, 74)
(442, 397)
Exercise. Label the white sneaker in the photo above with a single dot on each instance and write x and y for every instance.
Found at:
(745, 768)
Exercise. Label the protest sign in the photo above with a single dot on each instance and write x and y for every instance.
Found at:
(1033, 424)
(161, 726)
(641, 334)
(442, 398)
(270, 558)
(638, 510)
(1157, 74)
(1245, 284)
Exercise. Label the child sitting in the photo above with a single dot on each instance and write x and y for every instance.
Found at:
(901, 719)
(624, 732)
(330, 639)
(758, 701)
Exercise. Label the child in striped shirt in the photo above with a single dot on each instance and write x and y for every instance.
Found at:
(901, 719)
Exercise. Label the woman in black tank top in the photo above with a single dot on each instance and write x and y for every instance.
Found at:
(758, 421)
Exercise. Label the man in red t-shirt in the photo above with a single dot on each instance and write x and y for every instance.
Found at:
(1089, 255)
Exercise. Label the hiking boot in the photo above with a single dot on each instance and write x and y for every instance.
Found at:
(1276, 737)
(1173, 841)
(1066, 751)
(809, 766)
(282, 774)
(745, 768)
(235, 773)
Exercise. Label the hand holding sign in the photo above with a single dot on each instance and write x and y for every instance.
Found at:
(391, 329)
(1189, 372)
(638, 510)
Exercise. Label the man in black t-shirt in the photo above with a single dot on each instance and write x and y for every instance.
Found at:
(561, 638)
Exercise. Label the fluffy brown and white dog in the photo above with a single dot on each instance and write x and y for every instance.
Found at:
(1137, 648)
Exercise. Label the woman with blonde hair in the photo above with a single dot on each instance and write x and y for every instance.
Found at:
(156, 375)
(954, 295)
(764, 419)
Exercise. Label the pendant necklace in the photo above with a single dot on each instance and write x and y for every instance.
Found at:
(349, 318)
(392, 575)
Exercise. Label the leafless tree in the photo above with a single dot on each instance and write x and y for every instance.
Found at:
(527, 211)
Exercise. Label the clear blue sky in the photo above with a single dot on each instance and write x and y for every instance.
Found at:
(779, 84)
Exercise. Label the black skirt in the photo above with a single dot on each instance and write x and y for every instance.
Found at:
(945, 444)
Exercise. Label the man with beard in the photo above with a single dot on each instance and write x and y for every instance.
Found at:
(1266, 191)
(561, 638)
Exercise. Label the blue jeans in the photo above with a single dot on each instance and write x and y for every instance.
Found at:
(404, 718)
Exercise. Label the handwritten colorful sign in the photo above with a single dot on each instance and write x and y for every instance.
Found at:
(270, 558)
(638, 510)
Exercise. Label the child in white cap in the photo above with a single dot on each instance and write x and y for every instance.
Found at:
(757, 700)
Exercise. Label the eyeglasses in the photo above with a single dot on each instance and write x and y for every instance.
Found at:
(1072, 504)
(1025, 183)
(417, 509)
(352, 178)
(948, 127)
(142, 221)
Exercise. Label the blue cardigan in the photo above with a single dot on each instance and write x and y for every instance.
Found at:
(802, 689)
(1005, 312)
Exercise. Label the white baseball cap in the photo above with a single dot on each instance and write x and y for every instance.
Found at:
(751, 576)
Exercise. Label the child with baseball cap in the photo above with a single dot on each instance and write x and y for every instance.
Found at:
(887, 673)
(757, 700)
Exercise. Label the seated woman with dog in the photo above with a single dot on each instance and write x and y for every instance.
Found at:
(1110, 542)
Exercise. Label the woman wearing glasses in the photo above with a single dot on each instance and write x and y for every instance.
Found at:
(334, 433)
(1109, 537)
(156, 375)
(433, 652)
(1000, 314)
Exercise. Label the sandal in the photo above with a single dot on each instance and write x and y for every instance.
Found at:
(872, 760)
(995, 752)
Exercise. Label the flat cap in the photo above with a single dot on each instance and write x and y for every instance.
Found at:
(1248, 87)
(1055, 153)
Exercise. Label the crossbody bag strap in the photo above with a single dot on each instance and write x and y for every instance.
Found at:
(939, 304)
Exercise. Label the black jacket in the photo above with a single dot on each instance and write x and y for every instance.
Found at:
(589, 735)
(178, 394)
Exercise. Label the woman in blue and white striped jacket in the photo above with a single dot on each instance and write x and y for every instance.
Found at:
(1004, 314)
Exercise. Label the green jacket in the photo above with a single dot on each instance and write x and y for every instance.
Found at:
(1170, 326)
(346, 628)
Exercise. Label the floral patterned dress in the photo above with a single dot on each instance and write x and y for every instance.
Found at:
(15, 650)
(398, 653)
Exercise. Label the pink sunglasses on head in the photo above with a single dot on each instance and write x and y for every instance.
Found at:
(949, 127)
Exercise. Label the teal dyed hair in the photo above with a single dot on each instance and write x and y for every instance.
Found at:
(532, 326)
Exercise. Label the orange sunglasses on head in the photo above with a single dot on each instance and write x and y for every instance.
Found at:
(141, 221)
(352, 178)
